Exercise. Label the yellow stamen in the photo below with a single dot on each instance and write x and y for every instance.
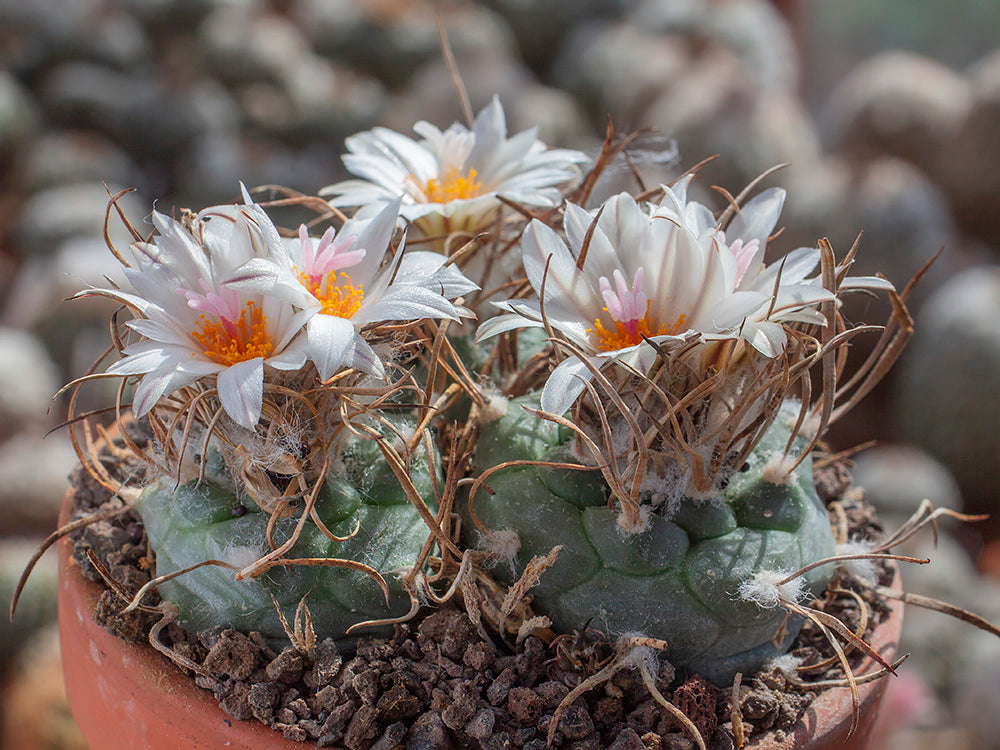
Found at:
(632, 332)
(226, 342)
(340, 300)
(452, 186)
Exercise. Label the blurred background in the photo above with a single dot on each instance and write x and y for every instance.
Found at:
(887, 113)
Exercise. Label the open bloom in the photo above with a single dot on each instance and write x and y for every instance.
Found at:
(193, 325)
(449, 181)
(344, 283)
(661, 274)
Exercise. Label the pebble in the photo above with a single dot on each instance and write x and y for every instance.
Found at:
(975, 191)
(33, 475)
(946, 392)
(897, 477)
(28, 380)
(751, 29)
(716, 108)
(58, 157)
(18, 113)
(618, 69)
(68, 211)
(37, 606)
(897, 104)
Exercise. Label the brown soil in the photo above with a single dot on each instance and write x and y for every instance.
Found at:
(437, 683)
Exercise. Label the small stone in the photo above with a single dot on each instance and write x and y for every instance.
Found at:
(366, 686)
(33, 475)
(59, 157)
(627, 739)
(391, 737)
(69, 211)
(300, 708)
(498, 689)
(895, 477)
(18, 113)
(524, 706)
(294, 732)
(286, 667)
(464, 702)
(327, 664)
(362, 728)
(576, 723)
(234, 655)
(479, 656)
(481, 725)
(697, 699)
(552, 693)
(397, 703)
(263, 698)
(237, 704)
(429, 733)
(312, 728)
(897, 104)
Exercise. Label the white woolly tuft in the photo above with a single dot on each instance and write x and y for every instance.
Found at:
(766, 591)
(778, 468)
(494, 408)
(500, 546)
(635, 524)
(863, 570)
(641, 657)
(785, 663)
(240, 555)
(667, 490)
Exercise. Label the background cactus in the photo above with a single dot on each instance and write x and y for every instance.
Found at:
(679, 579)
(212, 520)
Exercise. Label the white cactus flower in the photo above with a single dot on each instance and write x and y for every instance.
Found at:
(193, 325)
(345, 284)
(661, 274)
(449, 181)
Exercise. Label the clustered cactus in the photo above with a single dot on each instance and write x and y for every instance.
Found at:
(483, 373)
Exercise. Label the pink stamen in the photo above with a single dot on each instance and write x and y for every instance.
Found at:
(222, 303)
(329, 255)
(625, 305)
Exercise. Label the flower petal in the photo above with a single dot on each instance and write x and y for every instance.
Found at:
(241, 391)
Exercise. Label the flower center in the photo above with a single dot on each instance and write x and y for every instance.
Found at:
(631, 332)
(453, 185)
(227, 342)
(340, 300)
(629, 310)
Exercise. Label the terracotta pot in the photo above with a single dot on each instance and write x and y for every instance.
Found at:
(126, 695)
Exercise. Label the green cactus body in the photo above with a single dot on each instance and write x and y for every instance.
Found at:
(192, 523)
(678, 580)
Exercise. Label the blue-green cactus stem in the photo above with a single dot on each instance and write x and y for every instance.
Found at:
(679, 579)
(193, 523)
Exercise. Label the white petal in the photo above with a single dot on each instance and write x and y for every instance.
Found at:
(767, 338)
(331, 343)
(145, 357)
(405, 302)
(565, 384)
(503, 323)
(373, 237)
(241, 391)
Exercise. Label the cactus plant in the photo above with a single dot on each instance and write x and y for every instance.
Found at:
(679, 579)
(363, 503)
(331, 435)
